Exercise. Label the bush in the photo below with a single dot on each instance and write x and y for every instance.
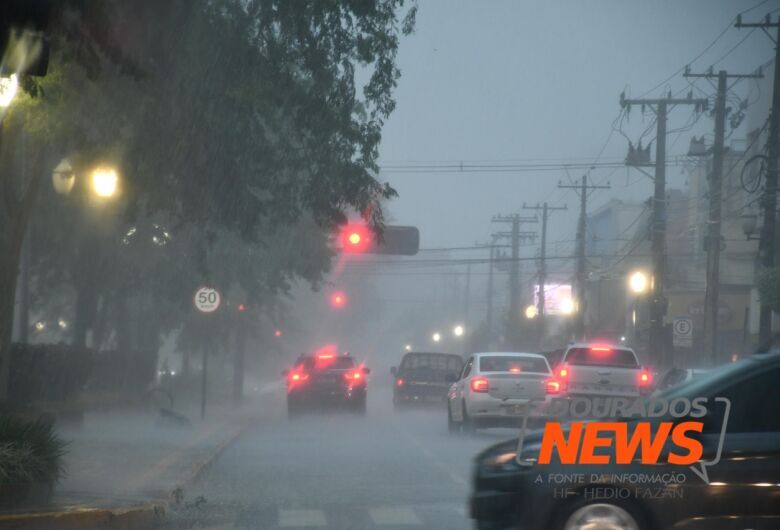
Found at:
(30, 452)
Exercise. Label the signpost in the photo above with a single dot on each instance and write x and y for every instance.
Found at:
(683, 332)
(207, 301)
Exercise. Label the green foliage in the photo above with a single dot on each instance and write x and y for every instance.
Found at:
(769, 287)
(30, 452)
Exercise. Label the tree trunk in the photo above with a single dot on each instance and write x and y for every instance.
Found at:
(10, 253)
(238, 363)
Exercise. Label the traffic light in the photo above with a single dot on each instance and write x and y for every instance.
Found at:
(357, 238)
(277, 333)
(338, 300)
(241, 308)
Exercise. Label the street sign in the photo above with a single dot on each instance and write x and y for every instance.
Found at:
(207, 300)
(683, 332)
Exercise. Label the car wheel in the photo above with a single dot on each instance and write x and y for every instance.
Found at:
(469, 425)
(602, 515)
(452, 426)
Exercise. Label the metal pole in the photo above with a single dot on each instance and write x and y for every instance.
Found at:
(542, 273)
(658, 305)
(203, 381)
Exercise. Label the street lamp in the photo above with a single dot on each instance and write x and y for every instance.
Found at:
(567, 306)
(105, 181)
(8, 88)
(531, 312)
(458, 331)
(638, 282)
(436, 337)
(408, 347)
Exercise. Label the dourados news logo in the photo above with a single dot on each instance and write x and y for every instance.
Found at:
(596, 433)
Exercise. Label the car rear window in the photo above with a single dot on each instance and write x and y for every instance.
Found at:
(601, 357)
(519, 364)
(432, 361)
(337, 363)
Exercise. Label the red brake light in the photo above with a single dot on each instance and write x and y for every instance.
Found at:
(325, 356)
(552, 386)
(563, 373)
(514, 370)
(298, 377)
(645, 378)
(354, 376)
(399, 382)
(480, 384)
(601, 348)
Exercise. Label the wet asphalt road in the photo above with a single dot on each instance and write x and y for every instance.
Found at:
(341, 471)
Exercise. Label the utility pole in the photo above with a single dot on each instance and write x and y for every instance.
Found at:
(766, 244)
(468, 294)
(658, 222)
(514, 272)
(581, 300)
(714, 218)
(545, 209)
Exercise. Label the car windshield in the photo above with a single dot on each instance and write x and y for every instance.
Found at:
(294, 264)
(513, 364)
(601, 356)
(431, 361)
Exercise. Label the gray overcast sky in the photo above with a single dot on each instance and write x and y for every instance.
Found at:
(499, 80)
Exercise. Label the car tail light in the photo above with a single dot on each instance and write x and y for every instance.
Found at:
(480, 385)
(645, 378)
(298, 377)
(562, 380)
(357, 375)
(399, 382)
(552, 386)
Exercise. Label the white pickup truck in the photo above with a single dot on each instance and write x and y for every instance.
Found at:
(601, 370)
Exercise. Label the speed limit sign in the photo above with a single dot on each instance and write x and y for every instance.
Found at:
(207, 299)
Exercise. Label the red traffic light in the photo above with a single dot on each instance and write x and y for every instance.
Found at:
(355, 238)
(278, 333)
(338, 300)
(241, 308)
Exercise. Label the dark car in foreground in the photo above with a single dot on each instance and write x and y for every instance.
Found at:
(326, 379)
(737, 486)
(424, 377)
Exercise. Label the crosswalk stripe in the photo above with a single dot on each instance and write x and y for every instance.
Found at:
(393, 516)
(302, 518)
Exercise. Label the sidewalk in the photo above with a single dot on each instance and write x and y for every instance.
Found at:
(129, 464)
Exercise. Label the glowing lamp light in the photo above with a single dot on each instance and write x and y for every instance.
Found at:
(8, 88)
(338, 300)
(105, 181)
(355, 238)
(436, 337)
(531, 312)
(638, 282)
(567, 306)
(458, 331)
(408, 347)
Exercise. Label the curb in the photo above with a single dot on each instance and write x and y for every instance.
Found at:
(134, 518)
(206, 463)
(146, 516)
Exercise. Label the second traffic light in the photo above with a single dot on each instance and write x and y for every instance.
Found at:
(357, 238)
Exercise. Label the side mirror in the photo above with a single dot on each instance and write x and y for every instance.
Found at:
(450, 378)
(285, 373)
(393, 371)
(366, 370)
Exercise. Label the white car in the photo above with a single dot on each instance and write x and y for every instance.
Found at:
(590, 370)
(496, 390)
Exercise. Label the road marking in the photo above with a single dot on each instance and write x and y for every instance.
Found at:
(393, 516)
(302, 518)
(455, 477)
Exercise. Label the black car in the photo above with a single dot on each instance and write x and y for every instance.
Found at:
(424, 377)
(740, 489)
(326, 379)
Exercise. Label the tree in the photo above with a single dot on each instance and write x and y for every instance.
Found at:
(227, 116)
